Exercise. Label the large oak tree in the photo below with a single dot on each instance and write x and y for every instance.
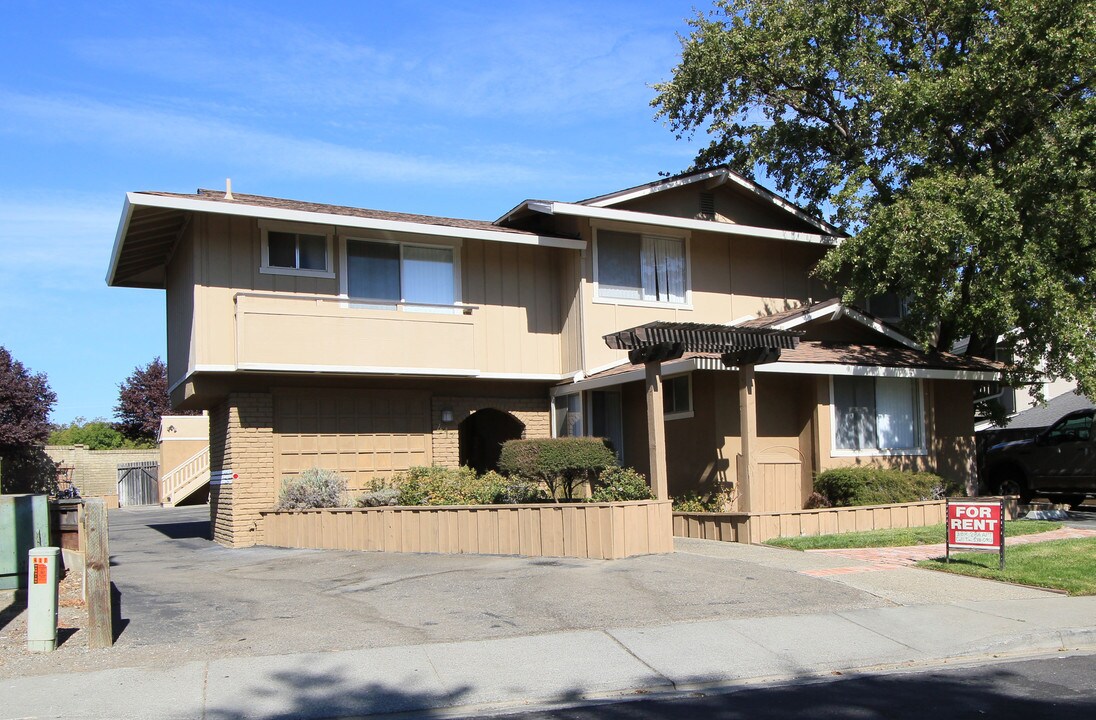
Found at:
(954, 140)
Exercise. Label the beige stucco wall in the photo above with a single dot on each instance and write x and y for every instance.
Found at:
(181, 437)
(515, 328)
(731, 277)
(949, 428)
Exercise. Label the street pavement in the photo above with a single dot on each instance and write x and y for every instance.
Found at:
(265, 633)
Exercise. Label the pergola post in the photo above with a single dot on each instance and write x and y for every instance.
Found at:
(747, 414)
(656, 430)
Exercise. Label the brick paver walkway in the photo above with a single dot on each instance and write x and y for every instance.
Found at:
(889, 558)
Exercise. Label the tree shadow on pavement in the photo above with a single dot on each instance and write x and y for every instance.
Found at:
(318, 694)
(994, 692)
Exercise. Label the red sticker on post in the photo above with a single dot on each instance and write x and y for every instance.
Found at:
(39, 570)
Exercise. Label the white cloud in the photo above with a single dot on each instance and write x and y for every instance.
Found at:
(140, 129)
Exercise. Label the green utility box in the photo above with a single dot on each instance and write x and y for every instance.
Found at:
(24, 523)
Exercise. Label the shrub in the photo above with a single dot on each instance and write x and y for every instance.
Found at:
(562, 464)
(313, 488)
(516, 490)
(696, 503)
(876, 486)
(379, 497)
(618, 484)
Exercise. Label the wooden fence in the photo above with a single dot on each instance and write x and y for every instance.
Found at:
(758, 527)
(605, 531)
(139, 483)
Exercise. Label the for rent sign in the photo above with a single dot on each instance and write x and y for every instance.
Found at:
(976, 525)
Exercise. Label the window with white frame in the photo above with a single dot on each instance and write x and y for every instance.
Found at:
(677, 397)
(647, 268)
(286, 252)
(877, 415)
(390, 272)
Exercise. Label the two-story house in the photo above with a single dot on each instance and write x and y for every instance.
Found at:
(368, 341)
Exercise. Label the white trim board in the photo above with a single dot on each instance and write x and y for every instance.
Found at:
(652, 220)
(137, 199)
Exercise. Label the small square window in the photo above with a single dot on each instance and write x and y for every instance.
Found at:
(290, 253)
(677, 398)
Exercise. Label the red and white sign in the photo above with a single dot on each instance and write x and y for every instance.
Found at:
(40, 572)
(974, 525)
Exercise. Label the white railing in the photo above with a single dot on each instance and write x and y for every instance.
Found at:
(187, 477)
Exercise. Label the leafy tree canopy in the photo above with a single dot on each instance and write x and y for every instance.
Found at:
(95, 434)
(25, 403)
(955, 140)
(142, 401)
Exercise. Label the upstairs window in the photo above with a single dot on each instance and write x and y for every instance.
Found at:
(296, 253)
(877, 416)
(422, 277)
(646, 268)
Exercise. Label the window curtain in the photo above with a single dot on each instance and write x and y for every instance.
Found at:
(618, 265)
(373, 270)
(854, 413)
(663, 269)
(428, 275)
(313, 252)
(897, 413)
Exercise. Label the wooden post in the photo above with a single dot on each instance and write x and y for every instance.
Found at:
(97, 575)
(747, 413)
(656, 430)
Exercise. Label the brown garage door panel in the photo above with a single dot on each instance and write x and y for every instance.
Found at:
(360, 434)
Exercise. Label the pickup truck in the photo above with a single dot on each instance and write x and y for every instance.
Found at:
(1059, 463)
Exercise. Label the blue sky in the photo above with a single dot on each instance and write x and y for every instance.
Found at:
(457, 109)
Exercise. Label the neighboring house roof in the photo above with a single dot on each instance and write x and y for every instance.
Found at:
(815, 357)
(152, 223)
(1042, 416)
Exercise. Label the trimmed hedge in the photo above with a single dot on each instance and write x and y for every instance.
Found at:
(449, 486)
(619, 485)
(842, 487)
(562, 464)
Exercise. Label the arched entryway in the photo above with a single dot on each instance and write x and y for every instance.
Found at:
(481, 437)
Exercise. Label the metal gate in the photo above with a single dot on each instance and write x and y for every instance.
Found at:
(139, 483)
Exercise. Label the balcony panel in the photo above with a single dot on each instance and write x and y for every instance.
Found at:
(314, 333)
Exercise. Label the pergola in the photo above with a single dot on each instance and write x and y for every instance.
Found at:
(656, 342)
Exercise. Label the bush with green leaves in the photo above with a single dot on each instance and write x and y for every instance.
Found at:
(619, 484)
(378, 497)
(313, 488)
(694, 502)
(842, 487)
(562, 464)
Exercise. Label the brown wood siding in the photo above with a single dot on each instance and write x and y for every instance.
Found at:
(605, 531)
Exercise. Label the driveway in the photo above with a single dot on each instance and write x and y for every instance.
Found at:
(183, 597)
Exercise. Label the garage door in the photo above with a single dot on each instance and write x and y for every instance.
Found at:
(360, 434)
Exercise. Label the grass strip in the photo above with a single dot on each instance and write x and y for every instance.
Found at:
(1068, 565)
(900, 537)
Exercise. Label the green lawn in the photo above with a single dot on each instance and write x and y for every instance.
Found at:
(901, 537)
(1068, 565)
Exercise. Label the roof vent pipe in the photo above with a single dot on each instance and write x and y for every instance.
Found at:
(228, 189)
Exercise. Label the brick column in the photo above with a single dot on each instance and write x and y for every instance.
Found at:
(241, 440)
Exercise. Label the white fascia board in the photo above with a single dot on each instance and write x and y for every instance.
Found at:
(652, 220)
(673, 367)
(626, 195)
(829, 308)
(123, 228)
(350, 221)
(367, 370)
(881, 328)
(798, 368)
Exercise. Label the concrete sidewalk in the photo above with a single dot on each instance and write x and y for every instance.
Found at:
(545, 669)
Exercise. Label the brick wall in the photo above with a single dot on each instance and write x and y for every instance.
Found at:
(241, 439)
(532, 412)
(95, 472)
